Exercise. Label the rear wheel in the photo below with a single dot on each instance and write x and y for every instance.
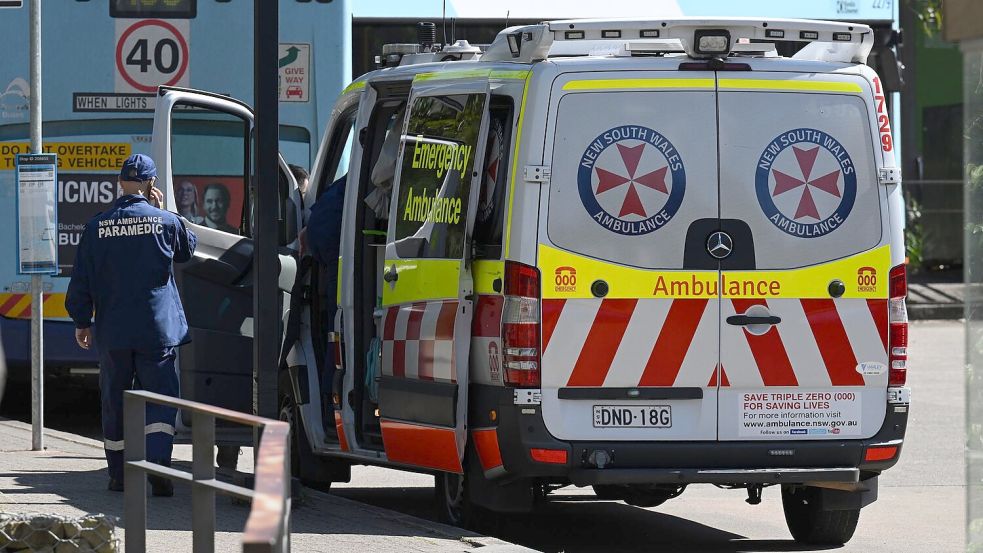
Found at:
(808, 523)
(452, 499)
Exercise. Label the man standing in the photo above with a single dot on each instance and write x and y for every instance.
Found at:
(123, 272)
(217, 202)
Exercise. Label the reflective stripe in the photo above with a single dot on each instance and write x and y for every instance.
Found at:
(630, 282)
(794, 85)
(515, 164)
(636, 84)
(497, 74)
(159, 427)
(422, 279)
(18, 306)
(113, 445)
(357, 85)
(338, 279)
(485, 273)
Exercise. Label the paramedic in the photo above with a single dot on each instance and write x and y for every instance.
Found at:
(322, 239)
(123, 272)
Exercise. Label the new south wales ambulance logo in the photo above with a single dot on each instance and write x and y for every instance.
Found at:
(631, 180)
(806, 183)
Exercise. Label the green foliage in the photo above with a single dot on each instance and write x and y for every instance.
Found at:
(914, 235)
(929, 13)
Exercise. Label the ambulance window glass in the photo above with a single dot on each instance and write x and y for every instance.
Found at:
(338, 151)
(494, 181)
(435, 176)
(208, 164)
(380, 149)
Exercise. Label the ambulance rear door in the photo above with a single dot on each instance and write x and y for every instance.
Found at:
(804, 291)
(427, 293)
(629, 296)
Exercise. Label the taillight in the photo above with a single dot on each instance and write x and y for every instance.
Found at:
(520, 325)
(898, 320)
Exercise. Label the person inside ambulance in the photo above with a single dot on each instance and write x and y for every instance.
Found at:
(321, 238)
(124, 275)
(384, 170)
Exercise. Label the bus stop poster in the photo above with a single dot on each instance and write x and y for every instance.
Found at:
(81, 196)
(37, 206)
(215, 202)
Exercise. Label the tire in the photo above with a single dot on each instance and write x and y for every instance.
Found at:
(452, 499)
(287, 414)
(313, 470)
(812, 525)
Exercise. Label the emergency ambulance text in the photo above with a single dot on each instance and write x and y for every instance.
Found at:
(441, 156)
(703, 287)
(422, 208)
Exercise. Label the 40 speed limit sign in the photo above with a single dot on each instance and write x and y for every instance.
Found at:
(150, 53)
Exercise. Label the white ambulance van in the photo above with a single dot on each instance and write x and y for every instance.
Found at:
(632, 255)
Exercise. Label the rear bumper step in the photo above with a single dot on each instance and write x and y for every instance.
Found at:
(587, 477)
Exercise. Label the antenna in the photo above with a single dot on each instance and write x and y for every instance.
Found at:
(443, 20)
(507, 12)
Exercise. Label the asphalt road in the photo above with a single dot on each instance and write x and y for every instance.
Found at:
(921, 507)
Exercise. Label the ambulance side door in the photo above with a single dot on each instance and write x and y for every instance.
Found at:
(202, 145)
(428, 292)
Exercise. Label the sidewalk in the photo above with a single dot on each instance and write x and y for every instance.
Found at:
(69, 479)
(935, 300)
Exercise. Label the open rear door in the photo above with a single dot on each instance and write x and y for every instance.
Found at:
(427, 295)
(202, 147)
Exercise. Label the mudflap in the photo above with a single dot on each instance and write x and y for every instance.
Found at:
(503, 495)
(831, 499)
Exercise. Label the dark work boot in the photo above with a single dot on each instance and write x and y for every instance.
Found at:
(115, 484)
(160, 486)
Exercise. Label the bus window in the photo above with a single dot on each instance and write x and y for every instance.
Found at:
(295, 145)
(208, 162)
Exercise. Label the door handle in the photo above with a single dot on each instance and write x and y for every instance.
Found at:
(745, 320)
(391, 275)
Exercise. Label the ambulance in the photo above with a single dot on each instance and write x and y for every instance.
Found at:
(631, 255)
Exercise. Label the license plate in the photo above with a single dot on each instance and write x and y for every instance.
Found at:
(632, 416)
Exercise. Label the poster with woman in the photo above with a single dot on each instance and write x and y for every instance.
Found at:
(215, 202)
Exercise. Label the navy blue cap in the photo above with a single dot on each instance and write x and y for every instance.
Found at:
(138, 168)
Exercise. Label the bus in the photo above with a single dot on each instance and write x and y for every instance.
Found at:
(102, 63)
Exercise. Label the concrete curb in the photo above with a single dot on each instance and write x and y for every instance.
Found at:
(935, 311)
(58, 441)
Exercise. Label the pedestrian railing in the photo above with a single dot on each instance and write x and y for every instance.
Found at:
(267, 528)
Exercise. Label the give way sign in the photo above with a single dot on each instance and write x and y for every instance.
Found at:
(151, 52)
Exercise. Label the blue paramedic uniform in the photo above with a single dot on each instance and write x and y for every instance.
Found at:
(324, 239)
(123, 272)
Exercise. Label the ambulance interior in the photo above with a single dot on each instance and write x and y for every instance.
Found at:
(380, 143)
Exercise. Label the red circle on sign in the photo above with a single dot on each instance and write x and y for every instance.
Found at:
(126, 34)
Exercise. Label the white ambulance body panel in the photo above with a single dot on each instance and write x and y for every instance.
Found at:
(787, 164)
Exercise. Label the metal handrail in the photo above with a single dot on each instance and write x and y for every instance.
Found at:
(267, 528)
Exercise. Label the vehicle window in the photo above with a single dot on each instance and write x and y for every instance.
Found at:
(437, 161)
(631, 172)
(339, 150)
(295, 145)
(490, 216)
(208, 164)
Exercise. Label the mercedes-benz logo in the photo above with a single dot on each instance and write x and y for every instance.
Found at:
(719, 244)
